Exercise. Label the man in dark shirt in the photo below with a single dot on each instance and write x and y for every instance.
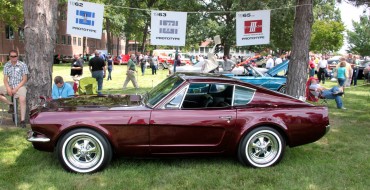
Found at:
(98, 70)
(77, 66)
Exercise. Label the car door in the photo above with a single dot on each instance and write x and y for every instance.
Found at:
(175, 129)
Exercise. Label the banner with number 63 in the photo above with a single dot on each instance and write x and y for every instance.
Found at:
(168, 28)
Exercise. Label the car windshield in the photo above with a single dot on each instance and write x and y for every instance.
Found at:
(162, 89)
(199, 64)
(256, 72)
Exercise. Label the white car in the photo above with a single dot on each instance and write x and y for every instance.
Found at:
(197, 68)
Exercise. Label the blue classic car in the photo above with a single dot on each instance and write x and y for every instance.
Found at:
(273, 79)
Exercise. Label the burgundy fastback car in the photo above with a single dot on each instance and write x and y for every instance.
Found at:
(191, 114)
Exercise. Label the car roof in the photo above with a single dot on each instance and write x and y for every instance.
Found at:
(204, 76)
(337, 57)
(214, 78)
(211, 77)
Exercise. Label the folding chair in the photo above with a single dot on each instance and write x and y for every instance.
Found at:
(14, 114)
(88, 86)
(309, 93)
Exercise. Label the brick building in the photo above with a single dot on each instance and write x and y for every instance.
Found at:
(66, 45)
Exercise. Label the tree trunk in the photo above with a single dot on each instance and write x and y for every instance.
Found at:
(126, 45)
(144, 37)
(84, 52)
(297, 74)
(109, 37)
(40, 34)
(227, 50)
(118, 46)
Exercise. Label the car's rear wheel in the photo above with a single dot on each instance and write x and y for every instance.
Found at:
(282, 89)
(263, 65)
(262, 147)
(84, 151)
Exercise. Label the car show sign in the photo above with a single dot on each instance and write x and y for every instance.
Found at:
(85, 19)
(168, 28)
(252, 28)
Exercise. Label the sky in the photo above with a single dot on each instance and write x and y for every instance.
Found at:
(349, 13)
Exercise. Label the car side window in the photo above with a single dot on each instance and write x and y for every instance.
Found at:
(175, 103)
(243, 96)
(206, 95)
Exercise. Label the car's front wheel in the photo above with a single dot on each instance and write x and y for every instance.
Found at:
(84, 151)
(262, 147)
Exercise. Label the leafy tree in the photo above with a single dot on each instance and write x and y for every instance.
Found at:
(326, 10)
(359, 39)
(11, 12)
(327, 35)
(134, 22)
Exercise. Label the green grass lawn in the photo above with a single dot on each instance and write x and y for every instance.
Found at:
(340, 160)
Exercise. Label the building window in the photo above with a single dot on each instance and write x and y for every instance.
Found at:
(9, 32)
(79, 41)
(63, 39)
(74, 41)
(57, 39)
(21, 33)
(62, 15)
(69, 40)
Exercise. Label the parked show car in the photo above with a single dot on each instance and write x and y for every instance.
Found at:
(199, 68)
(273, 79)
(194, 114)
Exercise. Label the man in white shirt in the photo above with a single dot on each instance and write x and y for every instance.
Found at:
(227, 64)
(270, 62)
(323, 65)
(278, 60)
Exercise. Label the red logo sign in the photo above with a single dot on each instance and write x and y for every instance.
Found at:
(252, 26)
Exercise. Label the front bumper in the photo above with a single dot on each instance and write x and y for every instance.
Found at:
(327, 129)
(34, 137)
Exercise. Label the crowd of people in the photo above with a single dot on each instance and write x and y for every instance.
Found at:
(15, 75)
(345, 72)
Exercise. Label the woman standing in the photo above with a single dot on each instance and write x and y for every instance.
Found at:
(110, 67)
(342, 73)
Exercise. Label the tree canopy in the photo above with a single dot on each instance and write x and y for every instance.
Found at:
(11, 12)
(359, 39)
(327, 36)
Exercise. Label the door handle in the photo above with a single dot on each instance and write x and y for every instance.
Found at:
(228, 118)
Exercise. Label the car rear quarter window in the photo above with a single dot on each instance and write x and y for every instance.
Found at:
(243, 96)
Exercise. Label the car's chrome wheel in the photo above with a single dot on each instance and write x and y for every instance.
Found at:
(84, 151)
(262, 147)
(282, 89)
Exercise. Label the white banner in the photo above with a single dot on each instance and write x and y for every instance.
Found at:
(168, 28)
(252, 28)
(85, 19)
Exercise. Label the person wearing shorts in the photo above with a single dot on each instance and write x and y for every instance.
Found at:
(15, 78)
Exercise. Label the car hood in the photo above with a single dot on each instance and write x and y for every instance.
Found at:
(280, 67)
(86, 103)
